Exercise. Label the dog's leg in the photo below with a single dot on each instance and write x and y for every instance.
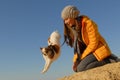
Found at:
(47, 64)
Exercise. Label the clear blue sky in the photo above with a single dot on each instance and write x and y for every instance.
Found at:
(25, 25)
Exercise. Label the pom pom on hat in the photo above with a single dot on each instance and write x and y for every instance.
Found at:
(70, 12)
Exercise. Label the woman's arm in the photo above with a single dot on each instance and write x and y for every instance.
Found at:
(92, 34)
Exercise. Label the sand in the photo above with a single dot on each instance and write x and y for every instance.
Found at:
(107, 72)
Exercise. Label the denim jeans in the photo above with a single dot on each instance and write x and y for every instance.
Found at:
(90, 62)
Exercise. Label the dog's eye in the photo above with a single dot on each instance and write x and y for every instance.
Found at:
(45, 54)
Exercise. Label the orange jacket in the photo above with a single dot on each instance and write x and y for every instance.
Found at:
(94, 41)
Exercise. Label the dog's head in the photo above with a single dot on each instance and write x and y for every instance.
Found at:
(50, 51)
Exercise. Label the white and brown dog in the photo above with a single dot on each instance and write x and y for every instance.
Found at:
(52, 51)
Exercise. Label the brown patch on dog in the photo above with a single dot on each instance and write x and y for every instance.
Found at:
(50, 50)
(56, 48)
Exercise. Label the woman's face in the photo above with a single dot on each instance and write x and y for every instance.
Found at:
(70, 21)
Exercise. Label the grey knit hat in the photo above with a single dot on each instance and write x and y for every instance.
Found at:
(70, 12)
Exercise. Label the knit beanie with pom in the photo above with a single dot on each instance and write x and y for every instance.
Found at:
(70, 12)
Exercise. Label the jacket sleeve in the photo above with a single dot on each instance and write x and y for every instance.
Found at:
(92, 34)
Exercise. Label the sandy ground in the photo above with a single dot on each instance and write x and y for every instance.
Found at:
(106, 72)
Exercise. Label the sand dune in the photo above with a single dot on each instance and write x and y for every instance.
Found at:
(106, 72)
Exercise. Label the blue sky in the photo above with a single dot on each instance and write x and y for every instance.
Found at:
(25, 26)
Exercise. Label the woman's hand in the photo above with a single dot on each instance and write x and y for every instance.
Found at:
(76, 61)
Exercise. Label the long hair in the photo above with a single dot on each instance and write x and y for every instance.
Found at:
(73, 39)
(68, 36)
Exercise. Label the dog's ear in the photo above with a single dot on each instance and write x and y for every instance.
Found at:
(56, 48)
(41, 48)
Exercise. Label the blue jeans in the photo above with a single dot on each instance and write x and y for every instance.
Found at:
(90, 62)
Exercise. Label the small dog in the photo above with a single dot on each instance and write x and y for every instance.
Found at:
(52, 51)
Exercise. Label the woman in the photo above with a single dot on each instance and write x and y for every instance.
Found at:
(81, 33)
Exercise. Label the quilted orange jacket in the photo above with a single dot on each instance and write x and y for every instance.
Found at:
(94, 41)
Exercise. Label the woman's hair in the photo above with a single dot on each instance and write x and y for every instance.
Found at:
(68, 34)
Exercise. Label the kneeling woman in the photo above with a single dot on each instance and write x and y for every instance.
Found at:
(81, 33)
